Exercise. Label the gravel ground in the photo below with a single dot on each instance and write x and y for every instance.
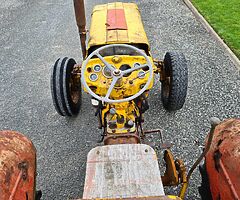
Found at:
(34, 34)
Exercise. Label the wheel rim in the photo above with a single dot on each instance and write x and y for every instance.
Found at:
(74, 89)
(75, 96)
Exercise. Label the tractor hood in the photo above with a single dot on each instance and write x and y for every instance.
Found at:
(116, 23)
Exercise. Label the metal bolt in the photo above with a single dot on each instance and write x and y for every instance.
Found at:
(116, 72)
(112, 111)
(130, 123)
(116, 59)
(142, 86)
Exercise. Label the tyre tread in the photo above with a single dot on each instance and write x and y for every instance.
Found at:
(59, 84)
(179, 81)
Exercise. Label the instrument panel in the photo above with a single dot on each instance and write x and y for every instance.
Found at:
(99, 77)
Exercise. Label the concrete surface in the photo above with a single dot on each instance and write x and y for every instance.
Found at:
(33, 34)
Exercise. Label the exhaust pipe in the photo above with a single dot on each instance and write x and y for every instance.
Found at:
(81, 23)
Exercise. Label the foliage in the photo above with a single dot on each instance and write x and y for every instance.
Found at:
(224, 17)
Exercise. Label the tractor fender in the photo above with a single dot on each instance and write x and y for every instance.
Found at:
(223, 161)
(17, 167)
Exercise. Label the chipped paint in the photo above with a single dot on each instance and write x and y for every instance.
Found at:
(17, 166)
(223, 160)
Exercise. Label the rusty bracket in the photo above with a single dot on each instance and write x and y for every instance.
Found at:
(162, 145)
(170, 177)
(126, 138)
(159, 64)
(182, 172)
(23, 166)
(153, 131)
(161, 69)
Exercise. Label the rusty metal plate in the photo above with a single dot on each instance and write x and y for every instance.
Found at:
(223, 161)
(127, 138)
(17, 167)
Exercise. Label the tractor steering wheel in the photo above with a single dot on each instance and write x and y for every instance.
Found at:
(116, 73)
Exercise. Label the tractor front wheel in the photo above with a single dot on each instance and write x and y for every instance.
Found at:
(65, 87)
(175, 81)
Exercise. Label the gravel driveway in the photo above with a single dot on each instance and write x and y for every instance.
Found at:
(33, 34)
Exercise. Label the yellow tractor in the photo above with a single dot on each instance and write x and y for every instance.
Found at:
(118, 72)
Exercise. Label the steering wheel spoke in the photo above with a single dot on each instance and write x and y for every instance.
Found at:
(134, 69)
(104, 61)
(114, 81)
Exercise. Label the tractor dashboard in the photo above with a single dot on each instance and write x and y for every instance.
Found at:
(99, 77)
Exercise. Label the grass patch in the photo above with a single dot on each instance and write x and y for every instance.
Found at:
(224, 17)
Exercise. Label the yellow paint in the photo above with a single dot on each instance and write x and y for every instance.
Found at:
(103, 83)
(129, 86)
(183, 190)
(173, 197)
(128, 110)
(99, 35)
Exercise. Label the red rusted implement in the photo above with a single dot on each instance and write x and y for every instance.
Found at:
(17, 167)
(223, 161)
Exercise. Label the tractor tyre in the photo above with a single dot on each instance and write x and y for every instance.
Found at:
(175, 83)
(38, 195)
(204, 189)
(65, 87)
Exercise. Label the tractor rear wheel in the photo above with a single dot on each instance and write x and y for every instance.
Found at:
(65, 87)
(175, 81)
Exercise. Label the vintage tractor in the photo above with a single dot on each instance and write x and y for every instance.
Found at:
(118, 72)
